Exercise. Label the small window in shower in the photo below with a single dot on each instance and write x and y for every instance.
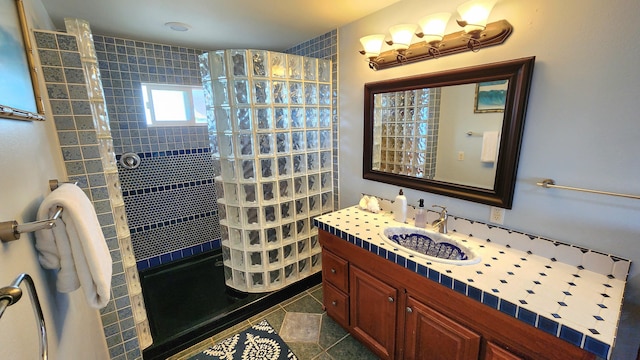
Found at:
(174, 105)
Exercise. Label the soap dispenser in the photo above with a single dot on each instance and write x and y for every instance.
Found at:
(421, 215)
(400, 207)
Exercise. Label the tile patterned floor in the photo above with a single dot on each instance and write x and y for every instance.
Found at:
(333, 342)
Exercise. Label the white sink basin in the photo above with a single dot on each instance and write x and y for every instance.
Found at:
(429, 245)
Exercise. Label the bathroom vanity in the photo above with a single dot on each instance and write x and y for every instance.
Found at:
(403, 307)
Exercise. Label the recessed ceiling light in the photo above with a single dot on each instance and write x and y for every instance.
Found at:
(177, 26)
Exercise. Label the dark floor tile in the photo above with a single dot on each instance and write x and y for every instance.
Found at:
(330, 332)
(317, 293)
(323, 356)
(306, 304)
(305, 351)
(275, 319)
(350, 349)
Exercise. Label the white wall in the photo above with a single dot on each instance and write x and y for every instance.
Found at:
(29, 157)
(581, 128)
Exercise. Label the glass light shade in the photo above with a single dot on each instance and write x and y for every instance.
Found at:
(433, 26)
(372, 44)
(476, 13)
(401, 35)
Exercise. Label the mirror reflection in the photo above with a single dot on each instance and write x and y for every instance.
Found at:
(454, 133)
(448, 133)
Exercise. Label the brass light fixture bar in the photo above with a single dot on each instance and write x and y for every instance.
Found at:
(495, 33)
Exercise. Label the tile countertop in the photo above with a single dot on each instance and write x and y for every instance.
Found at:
(573, 293)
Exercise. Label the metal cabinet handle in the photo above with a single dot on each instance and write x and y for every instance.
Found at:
(333, 271)
(390, 299)
(409, 310)
(334, 303)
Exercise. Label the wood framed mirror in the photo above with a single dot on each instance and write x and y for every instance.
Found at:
(455, 133)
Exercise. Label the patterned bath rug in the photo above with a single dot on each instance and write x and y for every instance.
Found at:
(259, 342)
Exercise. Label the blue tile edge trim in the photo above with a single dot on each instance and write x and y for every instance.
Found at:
(166, 187)
(178, 254)
(552, 327)
(169, 153)
(144, 228)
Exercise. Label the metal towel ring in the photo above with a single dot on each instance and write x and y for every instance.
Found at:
(10, 295)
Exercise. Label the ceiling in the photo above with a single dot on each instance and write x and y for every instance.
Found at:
(215, 24)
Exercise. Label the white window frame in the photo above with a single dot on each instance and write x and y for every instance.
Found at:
(187, 91)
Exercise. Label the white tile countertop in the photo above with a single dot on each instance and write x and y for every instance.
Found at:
(570, 292)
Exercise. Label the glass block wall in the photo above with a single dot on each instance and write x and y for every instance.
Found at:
(270, 133)
(405, 131)
(325, 46)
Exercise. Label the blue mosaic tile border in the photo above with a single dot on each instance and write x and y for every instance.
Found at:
(166, 187)
(550, 326)
(178, 254)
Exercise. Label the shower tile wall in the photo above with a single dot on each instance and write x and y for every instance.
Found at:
(169, 199)
(124, 64)
(326, 47)
(71, 110)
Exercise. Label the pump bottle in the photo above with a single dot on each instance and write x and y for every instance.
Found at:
(400, 207)
(421, 215)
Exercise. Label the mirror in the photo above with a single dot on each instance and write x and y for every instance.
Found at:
(455, 133)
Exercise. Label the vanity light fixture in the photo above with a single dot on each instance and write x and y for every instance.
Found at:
(372, 45)
(433, 27)
(401, 36)
(433, 41)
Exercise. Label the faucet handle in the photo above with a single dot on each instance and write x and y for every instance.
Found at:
(443, 210)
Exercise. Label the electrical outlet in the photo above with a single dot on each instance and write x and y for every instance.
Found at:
(497, 215)
(460, 155)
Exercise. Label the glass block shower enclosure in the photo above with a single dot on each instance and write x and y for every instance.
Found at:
(270, 131)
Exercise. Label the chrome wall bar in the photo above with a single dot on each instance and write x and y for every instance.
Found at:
(550, 183)
(10, 295)
(11, 230)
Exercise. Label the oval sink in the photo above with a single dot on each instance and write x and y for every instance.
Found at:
(429, 245)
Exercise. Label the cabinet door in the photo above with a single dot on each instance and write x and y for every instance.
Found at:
(495, 352)
(373, 312)
(431, 335)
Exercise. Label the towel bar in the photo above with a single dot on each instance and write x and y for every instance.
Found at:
(11, 230)
(550, 183)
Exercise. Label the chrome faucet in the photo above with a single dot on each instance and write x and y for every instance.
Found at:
(441, 223)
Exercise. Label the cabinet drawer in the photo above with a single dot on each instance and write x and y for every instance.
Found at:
(335, 270)
(336, 304)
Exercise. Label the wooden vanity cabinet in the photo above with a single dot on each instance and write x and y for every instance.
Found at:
(431, 335)
(495, 352)
(400, 314)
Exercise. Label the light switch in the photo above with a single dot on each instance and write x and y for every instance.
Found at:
(460, 155)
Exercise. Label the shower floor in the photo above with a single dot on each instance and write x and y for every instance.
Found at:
(188, 300)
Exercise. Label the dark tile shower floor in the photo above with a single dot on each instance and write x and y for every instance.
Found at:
(308, 331)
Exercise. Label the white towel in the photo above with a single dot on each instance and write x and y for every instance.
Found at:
(75, 246)
(490, 145)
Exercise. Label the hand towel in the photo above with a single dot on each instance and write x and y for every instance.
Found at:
(75, 245)
(490, 144)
